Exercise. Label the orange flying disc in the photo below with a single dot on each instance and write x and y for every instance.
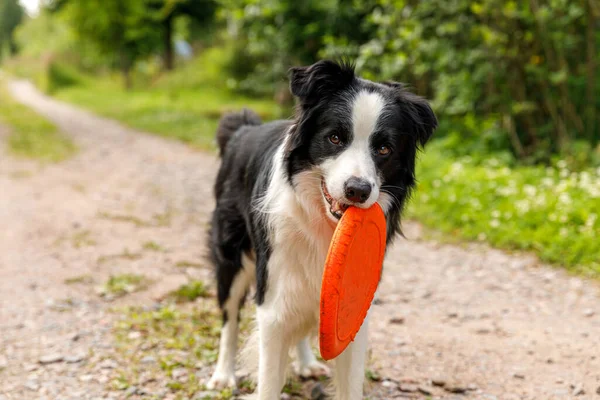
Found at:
(351, 275)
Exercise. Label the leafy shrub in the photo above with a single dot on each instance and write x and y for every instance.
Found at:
(524, 71)
(61, 75)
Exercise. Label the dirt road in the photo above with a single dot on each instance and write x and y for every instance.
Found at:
(477, 322)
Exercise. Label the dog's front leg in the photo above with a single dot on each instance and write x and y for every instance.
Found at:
(350, 367)
(274, 348)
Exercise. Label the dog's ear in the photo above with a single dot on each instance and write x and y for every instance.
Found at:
(418, 111)
(320, 80)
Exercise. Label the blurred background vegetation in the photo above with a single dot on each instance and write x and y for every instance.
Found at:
(516, 161)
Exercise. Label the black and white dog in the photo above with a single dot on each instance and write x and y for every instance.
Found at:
(281, 189)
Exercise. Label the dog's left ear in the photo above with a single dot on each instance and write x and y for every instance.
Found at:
(421, 117)
(320, 80)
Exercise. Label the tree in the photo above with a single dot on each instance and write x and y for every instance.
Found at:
(166, 11)
(123, 31)
(11, 15)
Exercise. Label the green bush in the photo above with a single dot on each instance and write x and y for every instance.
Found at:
(61, 75)
(525, 71)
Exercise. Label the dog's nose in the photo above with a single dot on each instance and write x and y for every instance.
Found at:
(357, 190)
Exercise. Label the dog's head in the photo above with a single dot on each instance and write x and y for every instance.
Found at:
(360, 136)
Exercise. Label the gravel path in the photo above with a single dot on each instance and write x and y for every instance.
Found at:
(457, 322)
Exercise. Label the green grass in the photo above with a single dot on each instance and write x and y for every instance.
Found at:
(552, 211)
(31, 135)
(185, 105)
(190, 292)
(120, 285)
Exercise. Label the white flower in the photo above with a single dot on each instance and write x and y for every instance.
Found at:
(561, 164)
(529, 190)
(496, 214)
(564, 232)
(494, 223)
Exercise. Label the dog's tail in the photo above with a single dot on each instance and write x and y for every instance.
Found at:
(231, 122)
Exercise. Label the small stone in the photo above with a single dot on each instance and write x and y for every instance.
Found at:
(598, 390)
(317, 392)
(74, 359)
(388, 384)
(397, 320)
(439, 381)
(31, 367)
(483, 331)
(130, 391)
(378, 302)
(134, 335)
(206, 394)
(408, 388)
(456, 388)
(408, 379)
(560, 381)
(426, 390)
(108, 364)
(178, 373)
(285, 396)
(453, 314)
(518, 375)
(471, 387)
(50, 359)
(75, 336)
(148, 360)
(32, 385)
(588, 312)
(86, 378)
(578, 390)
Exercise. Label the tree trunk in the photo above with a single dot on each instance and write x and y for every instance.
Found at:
(126, 63)
(168, 43)
(12, 46)
(590, 110)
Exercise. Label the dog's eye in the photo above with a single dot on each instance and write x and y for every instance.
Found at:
(335, 139)
(384, 150)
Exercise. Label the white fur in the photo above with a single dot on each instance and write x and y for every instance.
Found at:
(350, 367)
(224, 375)
(357, 159)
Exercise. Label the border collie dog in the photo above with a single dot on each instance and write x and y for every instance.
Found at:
(280, 191)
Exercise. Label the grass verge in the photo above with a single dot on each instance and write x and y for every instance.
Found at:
(31, 135)
(185, 105)
(552, 211)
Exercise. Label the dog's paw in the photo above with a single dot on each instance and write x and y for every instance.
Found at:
(222, 380)
(314, 369)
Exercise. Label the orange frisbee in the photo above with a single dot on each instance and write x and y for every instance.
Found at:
(351, 275)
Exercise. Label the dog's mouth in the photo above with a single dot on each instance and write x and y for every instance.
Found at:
(335, 207)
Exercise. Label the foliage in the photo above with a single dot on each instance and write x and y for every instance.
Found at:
(551, 211)
(31, 135)
(11, 15)
(123, 31)
(271, 36)
(527, 70)
(202, 12)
